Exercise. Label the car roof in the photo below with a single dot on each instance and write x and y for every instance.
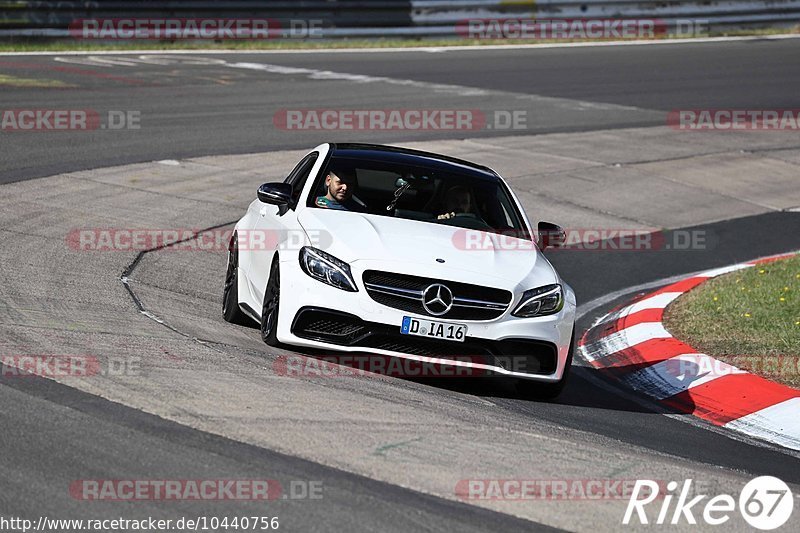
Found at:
(407, 156)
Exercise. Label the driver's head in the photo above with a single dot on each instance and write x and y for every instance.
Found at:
(458, 200)
(340, 184)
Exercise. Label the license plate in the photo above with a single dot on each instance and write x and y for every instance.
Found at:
(433, 329)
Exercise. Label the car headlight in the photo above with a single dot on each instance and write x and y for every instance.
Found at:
(541, 301)
(324, 267)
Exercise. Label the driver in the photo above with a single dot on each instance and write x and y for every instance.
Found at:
(340, 186)
(458, 200)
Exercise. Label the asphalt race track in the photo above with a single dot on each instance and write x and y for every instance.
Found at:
(388, 453)
(198, 109)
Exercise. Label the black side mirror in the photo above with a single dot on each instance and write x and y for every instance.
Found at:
(275, 193)
(551, 235)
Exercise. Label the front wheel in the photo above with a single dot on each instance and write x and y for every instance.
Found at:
(547, 391)
(230, 293)
(269, 311)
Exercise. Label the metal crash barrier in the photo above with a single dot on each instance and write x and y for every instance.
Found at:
(384, 18)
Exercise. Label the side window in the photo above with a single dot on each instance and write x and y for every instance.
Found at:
(300, 174)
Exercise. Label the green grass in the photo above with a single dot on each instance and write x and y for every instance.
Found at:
(748, 318)
(63, 45)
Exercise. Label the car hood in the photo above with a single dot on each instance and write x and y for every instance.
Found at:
(415, 246)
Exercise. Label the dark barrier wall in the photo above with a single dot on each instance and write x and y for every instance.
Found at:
(373, 18)
(18, 14)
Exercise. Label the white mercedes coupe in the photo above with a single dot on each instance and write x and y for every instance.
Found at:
(396, 252)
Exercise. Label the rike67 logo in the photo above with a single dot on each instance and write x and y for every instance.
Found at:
(765, 503)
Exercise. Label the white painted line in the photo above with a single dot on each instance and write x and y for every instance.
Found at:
(103, 60)
(315, 74)
(459, 90)
(758, 262)
(427, 49)
(678, 374)
(724, 270)
(777, 423)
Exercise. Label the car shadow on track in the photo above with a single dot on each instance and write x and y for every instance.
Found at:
(586, 387)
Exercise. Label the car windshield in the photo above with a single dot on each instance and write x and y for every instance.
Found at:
(438, 195)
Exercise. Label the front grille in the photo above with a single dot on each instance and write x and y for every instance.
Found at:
(404, 292)
(334, 327)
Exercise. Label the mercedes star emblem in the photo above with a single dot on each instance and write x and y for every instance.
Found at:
(437, 299)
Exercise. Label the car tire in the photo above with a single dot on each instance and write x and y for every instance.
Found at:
(230, 293)
(547, 391)
(271, 306)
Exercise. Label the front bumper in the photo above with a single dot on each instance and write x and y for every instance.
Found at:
(316, 315)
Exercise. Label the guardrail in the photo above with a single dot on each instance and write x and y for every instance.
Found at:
(398, 18)
(445, 12)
